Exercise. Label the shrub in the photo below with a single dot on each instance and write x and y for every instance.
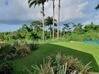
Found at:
(23, 50)
(7, 51)
(33, 46)
(19, 48)
(6, 68)
(60, 64)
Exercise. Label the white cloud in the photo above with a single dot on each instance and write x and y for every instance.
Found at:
(18, 10)
(82, 5)
(73, 9)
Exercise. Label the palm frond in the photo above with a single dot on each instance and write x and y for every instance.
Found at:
(29, 1)
(97, 7)
(36, 2)
(31, 4)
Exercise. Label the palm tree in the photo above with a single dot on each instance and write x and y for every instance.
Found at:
(39, 2)
(53, 16)
(36, 26)
(58, 19)
(97, 7)
(66, 27)
(49, 23)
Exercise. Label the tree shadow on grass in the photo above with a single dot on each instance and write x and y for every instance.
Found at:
(85, 58)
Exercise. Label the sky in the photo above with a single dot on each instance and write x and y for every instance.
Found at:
(14, 13)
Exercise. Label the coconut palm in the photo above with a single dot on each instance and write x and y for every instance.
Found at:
(49, 23)
(39, 2)
(58, 18)
(53, 16)
(97, 7)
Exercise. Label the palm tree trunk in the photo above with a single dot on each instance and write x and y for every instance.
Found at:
(50, 32)
(43, 36)
(53, 16)
(50, 35)
(58, 23)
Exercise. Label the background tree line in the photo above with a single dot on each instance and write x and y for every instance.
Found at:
(69, 31)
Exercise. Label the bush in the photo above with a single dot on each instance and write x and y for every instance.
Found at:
(7, 51)
(19, 48)
(60, 64)
(23, 50)
(33, 46)
(6, 68)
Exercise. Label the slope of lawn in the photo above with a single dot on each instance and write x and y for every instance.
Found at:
(85, 47)
(76, 49)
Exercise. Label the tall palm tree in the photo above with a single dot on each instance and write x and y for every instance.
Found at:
(49, 23)
(53, 16)
(39, 2)
(58, 18)
(97, 7)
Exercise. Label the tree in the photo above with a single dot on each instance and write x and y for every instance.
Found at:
(58, 18)
(78, 28)
(97, 7)
(49, 22)
(37, 28)
(53, 16)
(39, 2)
(66, 28)
(36, 25)
(27, 28)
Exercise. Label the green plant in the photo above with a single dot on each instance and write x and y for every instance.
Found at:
(6, 68)
(33, 46)
(60, 64)
(23, 50)
(7, 51)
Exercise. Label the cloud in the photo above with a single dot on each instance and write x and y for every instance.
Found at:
(17, 11)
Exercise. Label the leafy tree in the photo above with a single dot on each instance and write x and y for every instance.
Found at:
(37, 29)
(78, 28)
(36, 25)
(89, 27)
(65, 28)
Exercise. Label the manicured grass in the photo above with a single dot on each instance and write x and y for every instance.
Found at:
(84, 52)
(88, 48)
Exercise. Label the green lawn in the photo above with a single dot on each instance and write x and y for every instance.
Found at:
(88, 48)
(84, 52)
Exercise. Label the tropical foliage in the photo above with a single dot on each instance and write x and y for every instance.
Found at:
(61, 64)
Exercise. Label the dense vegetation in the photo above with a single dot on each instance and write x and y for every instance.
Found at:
(70, 32)
(13, 51)
(61, 64)
(18, 49)
(23, 42)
